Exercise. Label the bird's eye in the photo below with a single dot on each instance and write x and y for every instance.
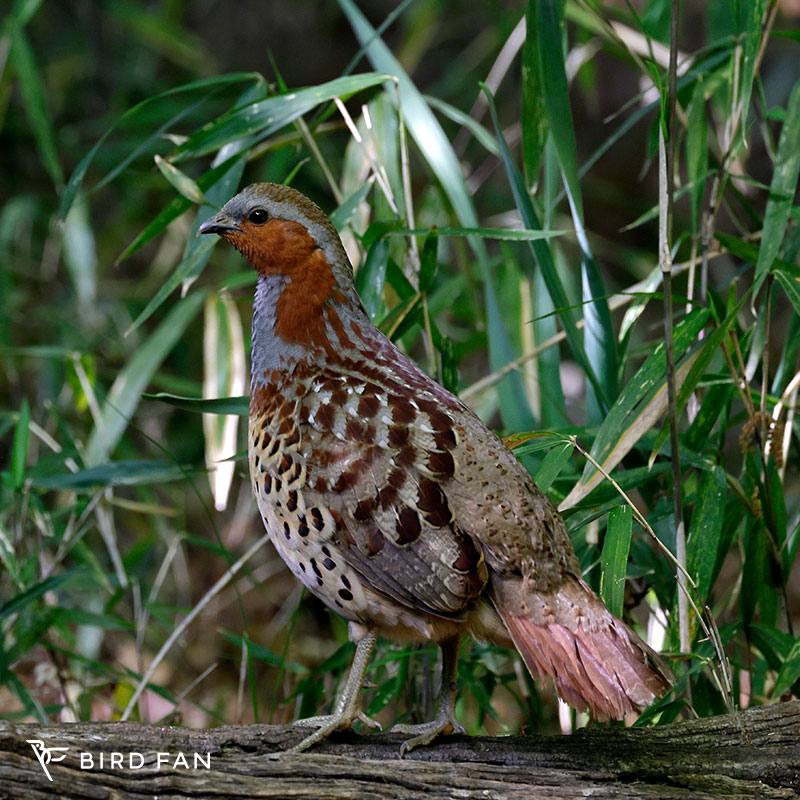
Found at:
(258, 216)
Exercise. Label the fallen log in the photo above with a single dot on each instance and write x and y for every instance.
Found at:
(750, 754)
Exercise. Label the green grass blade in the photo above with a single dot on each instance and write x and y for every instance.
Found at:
(180, 181)
(614, 558)
(180, 204)
(438, 153)
(638, 406)
(188, 267)
(33, 96)
(125, 392)
(19, 449)
(221, 405)
(543, 257)
(226, 178)
(27, 596)
(372, 275)
(705, 529)
(76, 179)
(782, 188)
(599, 340)
(534, 116)
(791, 285)
(80, 255)
(790, 671)
(264, 117)
(709, 347)
(503, 234)
(466, 121)
(697, 152)
(555, 93)
(115, 473)
(552, 464)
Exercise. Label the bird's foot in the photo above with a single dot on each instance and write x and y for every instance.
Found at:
(329, 723)
(426, 732)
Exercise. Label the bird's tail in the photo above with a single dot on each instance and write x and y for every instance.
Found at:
(595, 660)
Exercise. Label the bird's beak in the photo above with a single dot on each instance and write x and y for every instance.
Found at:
(220, 223)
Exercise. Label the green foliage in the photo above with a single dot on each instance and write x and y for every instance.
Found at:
(505, 245)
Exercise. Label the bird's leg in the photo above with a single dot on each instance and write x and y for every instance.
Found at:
(347, 710)
(445, 721)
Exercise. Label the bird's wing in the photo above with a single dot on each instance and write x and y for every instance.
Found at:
(379, 458)
(494, 498)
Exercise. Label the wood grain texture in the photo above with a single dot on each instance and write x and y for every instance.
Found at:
(751, 754)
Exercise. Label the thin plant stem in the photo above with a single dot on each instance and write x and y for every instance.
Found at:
(666, 203)
(178, 630)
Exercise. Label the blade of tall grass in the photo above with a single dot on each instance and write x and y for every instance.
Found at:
(262, 118)
(439, 154)
(639, 405)
(709, 347)
(705, 529)
(556, 459)
(114, 473)
(34, 98)
(614, 558)
(221, 405)
(224, 373)
(180, 181)
(76, 179)
(124, 395)
(543, 257)
(782, 189)
(19, 449)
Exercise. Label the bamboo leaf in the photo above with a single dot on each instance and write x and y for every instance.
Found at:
(26, 597)
(19, 450)
(543, 257)
(123, 397)
(141, 110)
(180, 181)
(599, 340)
(262, 118)
(221, 405)
(708, 349)
(224, 373)
(791, 285)
(437, 151)
(552, 464)
(507, 234)
(33, 96)
(372, 275)
(614, 558)
(115, 473)
(782, 188)
(790, 671)
(465, 121)
(534, 117)
(639, 405)
(705, 529)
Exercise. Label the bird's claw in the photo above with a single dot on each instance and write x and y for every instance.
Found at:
(328, 724)
(426, 732)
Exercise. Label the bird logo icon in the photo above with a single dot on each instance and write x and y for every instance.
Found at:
(45, 754)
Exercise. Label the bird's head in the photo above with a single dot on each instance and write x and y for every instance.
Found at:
(277, 228)
(298, 253)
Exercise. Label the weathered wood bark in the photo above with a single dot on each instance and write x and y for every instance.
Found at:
(755, 753)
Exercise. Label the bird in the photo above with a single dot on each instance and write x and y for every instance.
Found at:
(392, 502)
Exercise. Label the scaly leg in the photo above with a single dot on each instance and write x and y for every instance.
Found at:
(445, 721)
(346, 711)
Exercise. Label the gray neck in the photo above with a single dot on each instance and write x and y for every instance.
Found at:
(268, 351)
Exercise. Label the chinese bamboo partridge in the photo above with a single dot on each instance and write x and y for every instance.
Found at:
(391, 501)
